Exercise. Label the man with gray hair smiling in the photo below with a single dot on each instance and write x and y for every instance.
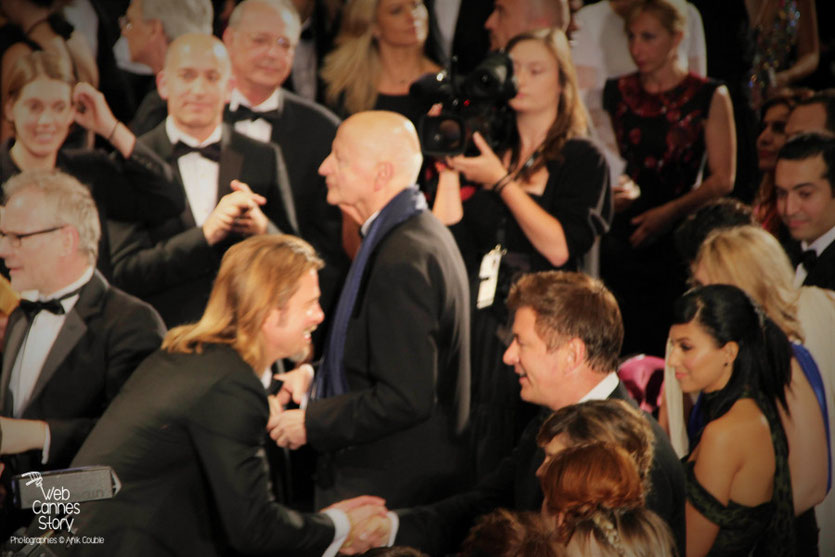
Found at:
(261, 40)
(74, 339)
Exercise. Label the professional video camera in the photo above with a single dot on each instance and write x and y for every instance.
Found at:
(475, 102)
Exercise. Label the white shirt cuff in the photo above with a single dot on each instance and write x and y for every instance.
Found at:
(395, 525)
(342, 527)
(47, 440)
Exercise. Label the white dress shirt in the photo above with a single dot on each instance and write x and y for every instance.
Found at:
(42, 334)
(199, 174)
(260, 128)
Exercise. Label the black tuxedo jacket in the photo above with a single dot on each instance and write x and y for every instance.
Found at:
(185, 437)
(440, 528)
(304, 131)
(823, 275)
(397, 433)
(169, 263)
(104, 337)
(136, 188)
(471, 42)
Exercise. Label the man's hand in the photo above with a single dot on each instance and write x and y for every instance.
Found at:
(254, 221)
(221, 220)
(295, 384)
(374, 531)
(289, 430)
(366, 513)
(19, 435)
(276, 408)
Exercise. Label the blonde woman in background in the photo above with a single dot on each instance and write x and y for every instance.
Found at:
(379, 53)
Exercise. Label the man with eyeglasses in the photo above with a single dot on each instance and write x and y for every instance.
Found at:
(261, 38)
(148, 27)
(74, 339)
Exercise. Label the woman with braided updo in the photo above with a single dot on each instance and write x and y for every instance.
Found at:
(594, 496)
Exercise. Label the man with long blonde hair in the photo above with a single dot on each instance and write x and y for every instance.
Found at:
(185, 435)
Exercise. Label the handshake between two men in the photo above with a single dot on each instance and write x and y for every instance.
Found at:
(371, 522)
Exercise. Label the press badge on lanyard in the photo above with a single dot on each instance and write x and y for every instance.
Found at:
(488, 275)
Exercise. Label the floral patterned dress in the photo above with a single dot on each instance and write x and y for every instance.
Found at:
(661, 136)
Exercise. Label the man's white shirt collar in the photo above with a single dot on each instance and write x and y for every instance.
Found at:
(175, 134)
(821, 243)
(273, 102)
(368, 222)
(602, 390)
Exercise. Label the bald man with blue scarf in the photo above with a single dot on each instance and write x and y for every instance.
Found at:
(390, 400)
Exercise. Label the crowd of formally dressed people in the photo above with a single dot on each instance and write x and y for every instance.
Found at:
(237, 272)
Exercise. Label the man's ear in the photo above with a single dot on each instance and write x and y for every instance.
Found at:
(227, 37)
(157, 30)
(575, 352)
(69, 240)
(384, 174)
(162, 85)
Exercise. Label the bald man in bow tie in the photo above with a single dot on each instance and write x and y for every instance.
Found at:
(235, 187)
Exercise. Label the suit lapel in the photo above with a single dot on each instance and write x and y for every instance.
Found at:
(14, 340)
(824, 269)
(74, 328)
(161, 145)
(231, 163)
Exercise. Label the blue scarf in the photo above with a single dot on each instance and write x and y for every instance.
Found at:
(330, 380)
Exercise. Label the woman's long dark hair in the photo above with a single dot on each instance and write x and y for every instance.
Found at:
(763, 363)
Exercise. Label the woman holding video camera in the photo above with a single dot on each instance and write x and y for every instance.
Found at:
(538, 203)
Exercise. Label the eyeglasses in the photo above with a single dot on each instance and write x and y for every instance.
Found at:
(125, 24)
(265, 40)
(16, 239)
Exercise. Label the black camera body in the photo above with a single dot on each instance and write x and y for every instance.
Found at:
(474, 102)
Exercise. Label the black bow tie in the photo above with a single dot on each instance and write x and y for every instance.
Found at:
(809, 259)
(210, 151)
(54, 305)
(31, 309)
(246, 113)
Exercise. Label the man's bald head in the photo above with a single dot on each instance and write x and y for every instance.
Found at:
(388, 136)
(191, 46)
(375, 155)
(195, 82)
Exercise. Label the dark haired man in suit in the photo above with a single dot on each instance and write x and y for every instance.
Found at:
(805, 182)
(235, 187)
(567, 334)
